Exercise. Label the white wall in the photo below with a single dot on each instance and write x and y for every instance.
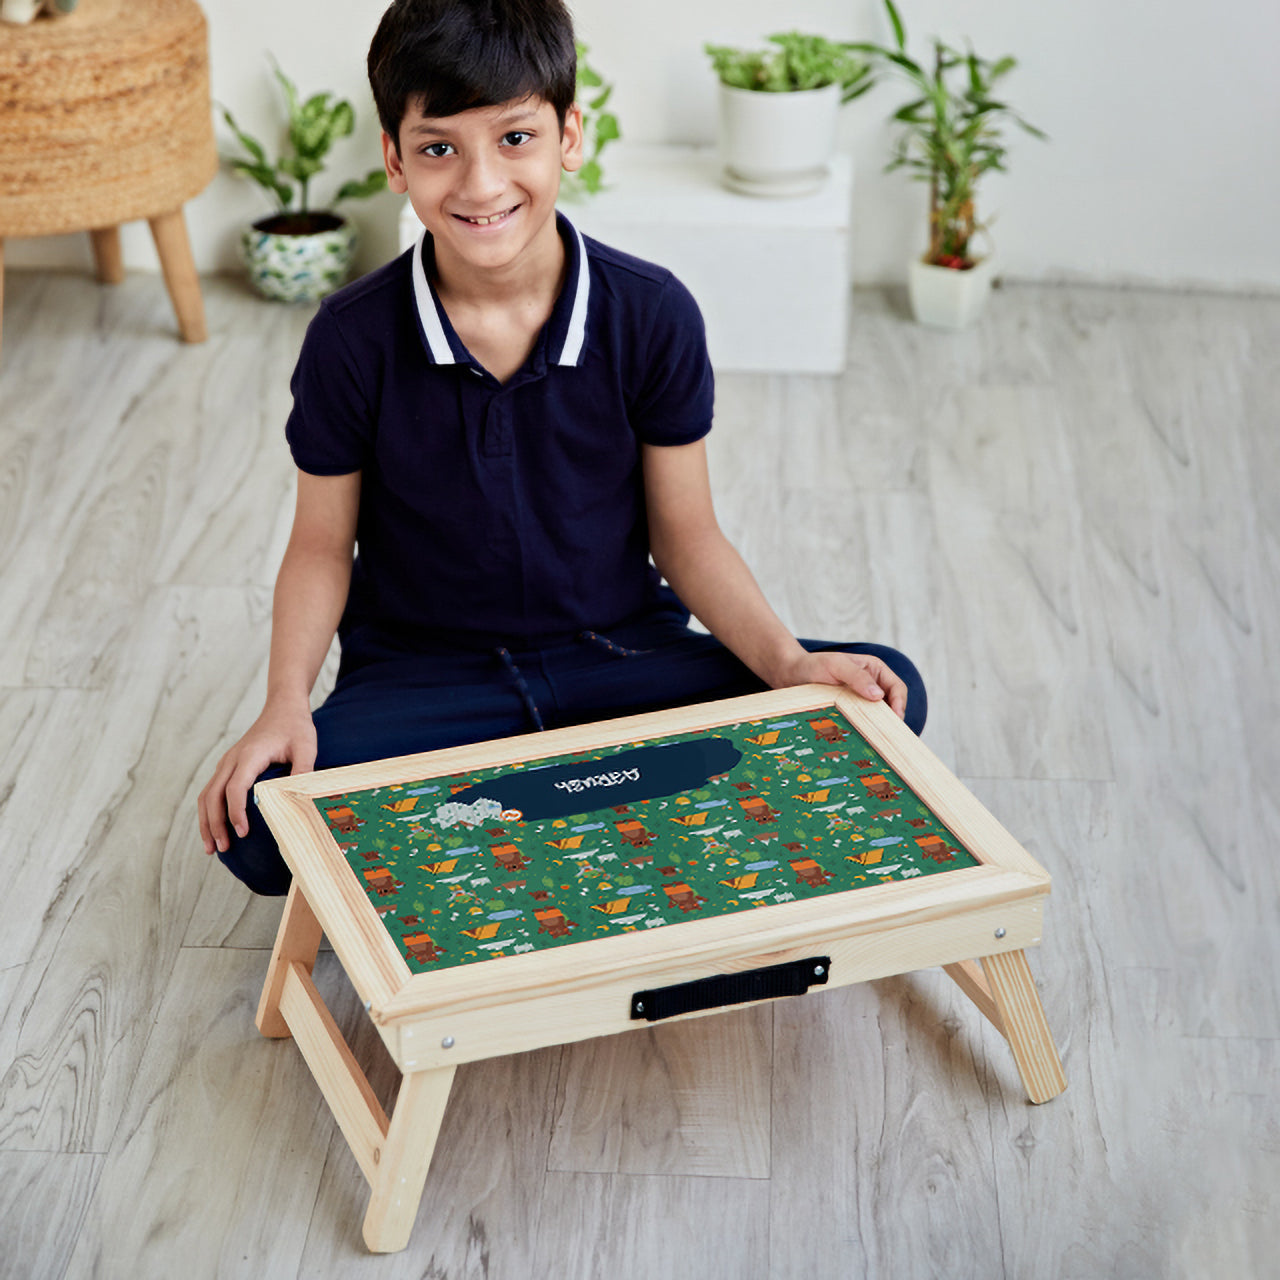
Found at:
(1165, 124)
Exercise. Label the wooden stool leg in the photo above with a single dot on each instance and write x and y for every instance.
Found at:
(297, 941)
(406, 1157)
(107, 255)
(169, 231)
(1013, 991)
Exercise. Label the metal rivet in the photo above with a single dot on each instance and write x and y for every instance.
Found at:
(368, 1004)
(1000, 932)
(639, 1006)
(819, 971)
(447, 1042)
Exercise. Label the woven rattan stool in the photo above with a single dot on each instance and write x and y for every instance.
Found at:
(105, 118)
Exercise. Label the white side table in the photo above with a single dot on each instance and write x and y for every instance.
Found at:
(771, 275)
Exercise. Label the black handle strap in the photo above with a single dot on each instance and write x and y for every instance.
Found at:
(792, 979)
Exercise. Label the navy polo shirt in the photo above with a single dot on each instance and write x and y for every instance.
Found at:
(492, 512)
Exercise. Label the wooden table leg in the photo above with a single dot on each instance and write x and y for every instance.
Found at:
(969, 977)
(169, 231)
(297, 941)
(1009, 992)
(405, 1158)
(107, 254)
(393, 1154)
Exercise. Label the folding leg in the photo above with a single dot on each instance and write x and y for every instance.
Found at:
(297, 941)
(394, 1155)
(405, 1158)
(1003, 989)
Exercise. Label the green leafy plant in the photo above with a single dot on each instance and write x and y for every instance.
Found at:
(314, 125)
(951, 134)
(599, 127)
(797, 62)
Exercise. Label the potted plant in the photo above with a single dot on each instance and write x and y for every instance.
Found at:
(301, 254)
(778, 110)
(951, 134)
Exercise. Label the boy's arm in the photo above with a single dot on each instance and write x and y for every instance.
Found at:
(714, 583)
(311, 592)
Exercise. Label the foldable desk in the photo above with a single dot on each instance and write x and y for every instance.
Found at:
(538, 890)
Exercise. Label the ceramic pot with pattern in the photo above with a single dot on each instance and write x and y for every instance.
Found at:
(294, 257)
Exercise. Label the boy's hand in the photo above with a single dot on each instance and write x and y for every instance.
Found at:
(278, 736)
(866, 675)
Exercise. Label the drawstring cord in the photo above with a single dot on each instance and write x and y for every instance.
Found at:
(609, 646)
(522, 688)
(522, 685)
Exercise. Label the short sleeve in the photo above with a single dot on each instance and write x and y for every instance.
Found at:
(677, 388)
(330, 427)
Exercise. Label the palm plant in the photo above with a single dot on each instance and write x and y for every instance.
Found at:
(951, 134)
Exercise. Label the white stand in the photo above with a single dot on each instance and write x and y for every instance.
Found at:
(771, 275)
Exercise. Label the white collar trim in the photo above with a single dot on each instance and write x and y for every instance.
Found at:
(424, 296)
(575, 338)
(442, 353)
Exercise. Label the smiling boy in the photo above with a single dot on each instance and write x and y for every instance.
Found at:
(485, 182)
(494, 435)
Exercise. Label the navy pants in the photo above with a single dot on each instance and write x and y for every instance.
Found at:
(388, 702)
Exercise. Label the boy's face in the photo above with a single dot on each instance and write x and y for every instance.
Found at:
(484, 182)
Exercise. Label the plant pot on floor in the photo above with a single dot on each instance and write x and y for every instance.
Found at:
(295, 257)
(947, 298)
(777, 144)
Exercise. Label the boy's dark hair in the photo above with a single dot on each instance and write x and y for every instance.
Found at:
(452, 55)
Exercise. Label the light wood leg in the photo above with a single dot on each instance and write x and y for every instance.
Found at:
(169, 231)
(1010, 990)
(405, 1158)
(345, 1086)
(394, 1155)
(297, 941)
(972, 981)
(107, 254)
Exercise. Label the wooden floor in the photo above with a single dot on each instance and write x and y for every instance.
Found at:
(1069, 516)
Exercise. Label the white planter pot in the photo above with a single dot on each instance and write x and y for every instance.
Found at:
(946, 298)
(297, 268)
(777, 144)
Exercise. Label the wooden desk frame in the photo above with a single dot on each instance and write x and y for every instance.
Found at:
(976, 922)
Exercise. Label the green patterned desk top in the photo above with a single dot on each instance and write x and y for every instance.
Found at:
(492, 862)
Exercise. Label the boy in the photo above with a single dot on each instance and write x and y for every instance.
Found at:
(503, 424)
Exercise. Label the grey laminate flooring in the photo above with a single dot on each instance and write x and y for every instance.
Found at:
(1069, 516)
